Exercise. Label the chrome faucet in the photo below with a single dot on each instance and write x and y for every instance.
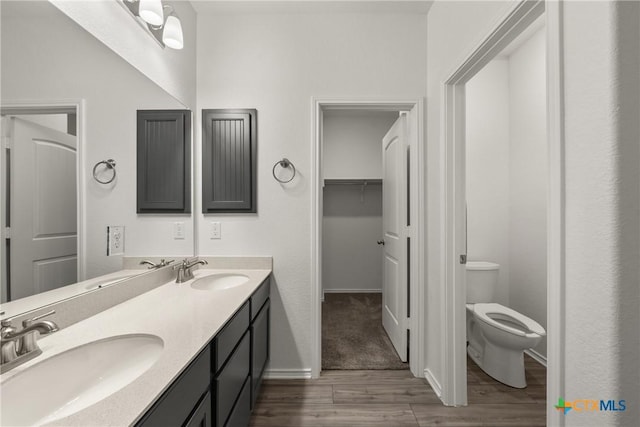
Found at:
(19, 346)
(152, 265)
(184, 269)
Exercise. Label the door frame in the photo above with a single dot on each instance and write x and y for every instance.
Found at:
(57, 106)
(416, 231)
(453, 244)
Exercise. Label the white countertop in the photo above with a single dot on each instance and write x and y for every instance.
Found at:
(23, 305)
(185, 318)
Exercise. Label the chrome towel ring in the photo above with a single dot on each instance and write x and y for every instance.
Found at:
(110, 165)
(285, 164)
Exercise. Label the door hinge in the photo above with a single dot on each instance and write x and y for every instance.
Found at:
(7, 143)
(7, 232)
(463, 259)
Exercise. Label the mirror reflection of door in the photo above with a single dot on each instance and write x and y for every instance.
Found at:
(40, 205)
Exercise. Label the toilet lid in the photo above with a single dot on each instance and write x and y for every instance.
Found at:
(492, 313)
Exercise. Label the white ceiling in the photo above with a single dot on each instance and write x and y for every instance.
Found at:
(205, 7)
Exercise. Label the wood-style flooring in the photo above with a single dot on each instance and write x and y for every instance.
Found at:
(396, 399)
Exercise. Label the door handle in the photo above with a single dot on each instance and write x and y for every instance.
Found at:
(381, 242)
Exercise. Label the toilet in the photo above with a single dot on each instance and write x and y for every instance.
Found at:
(497, 335)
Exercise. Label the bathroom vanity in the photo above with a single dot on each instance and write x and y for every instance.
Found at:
(190, 353)
(220, 386)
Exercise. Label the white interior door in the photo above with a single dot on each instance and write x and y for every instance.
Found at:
(394, 214)
(43, 214)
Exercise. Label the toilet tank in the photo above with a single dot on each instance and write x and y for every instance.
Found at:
(482, 281)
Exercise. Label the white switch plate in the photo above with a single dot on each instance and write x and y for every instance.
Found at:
(216, 230)
(178, 230)
(115, 240)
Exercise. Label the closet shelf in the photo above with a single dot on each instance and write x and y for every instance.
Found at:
(353, 181)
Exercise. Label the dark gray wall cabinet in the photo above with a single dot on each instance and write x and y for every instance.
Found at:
(229, 159)
(164, 161)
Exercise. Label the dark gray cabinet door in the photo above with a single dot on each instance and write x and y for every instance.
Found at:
(259, 350)
(203, 415)
(229, 159)
(164, 161)
(241, 413)
(178, 402)
(230, 380)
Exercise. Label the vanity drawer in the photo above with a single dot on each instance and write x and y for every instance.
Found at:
(175, 405)
(259, 350)
(241, 414)
(230, 379)
(227, 339)
(259, 297)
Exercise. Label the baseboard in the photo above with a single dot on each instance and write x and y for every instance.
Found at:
(352, 291)
(537, 357)
(287, 374)
(435, 385)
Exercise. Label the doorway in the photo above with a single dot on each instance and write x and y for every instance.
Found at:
(360, 309)
(40, 164)
(506, 169)
(370, 190)
(454, 245)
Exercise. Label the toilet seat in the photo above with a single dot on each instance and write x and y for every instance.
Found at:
(484, 311)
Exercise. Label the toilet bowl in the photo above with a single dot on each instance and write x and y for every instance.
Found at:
(506, 334)
(497, 336)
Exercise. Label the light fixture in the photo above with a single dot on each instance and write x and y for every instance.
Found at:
(172, 34)
(151, 14)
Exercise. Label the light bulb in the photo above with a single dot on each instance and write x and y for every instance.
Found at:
(172, 34)
(151, 12)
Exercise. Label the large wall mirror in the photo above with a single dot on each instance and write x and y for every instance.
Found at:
(68, 104)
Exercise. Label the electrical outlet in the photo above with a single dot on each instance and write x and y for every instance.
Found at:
(115, 240)
(216, 230)
(178, 230)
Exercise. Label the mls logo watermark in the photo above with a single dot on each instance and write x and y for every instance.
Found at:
(590, 405)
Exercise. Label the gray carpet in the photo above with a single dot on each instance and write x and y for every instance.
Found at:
(353, 336)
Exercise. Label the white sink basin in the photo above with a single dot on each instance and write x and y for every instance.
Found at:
(76, 379)
(218, 282)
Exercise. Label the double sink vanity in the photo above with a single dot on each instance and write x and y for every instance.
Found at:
(164, 353)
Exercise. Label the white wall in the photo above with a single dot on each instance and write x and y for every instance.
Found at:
(277, 62)
(528, 181)
(113, 25)
(454, 28)
(602, 236)
(71, 64)
(351, 226)
(352, 221)
(352, 142)
(487, 138)
(602, 113)
(51, 121)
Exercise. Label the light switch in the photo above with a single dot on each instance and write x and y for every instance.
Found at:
(216, 232)
(178, 230)
(115, 240)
